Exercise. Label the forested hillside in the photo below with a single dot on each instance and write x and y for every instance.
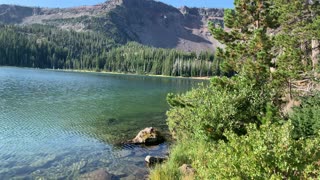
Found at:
(41, 46)
(262, 123)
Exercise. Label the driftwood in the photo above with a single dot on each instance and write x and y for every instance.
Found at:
(305, 86)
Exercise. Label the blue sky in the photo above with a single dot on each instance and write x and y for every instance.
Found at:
(72, 3)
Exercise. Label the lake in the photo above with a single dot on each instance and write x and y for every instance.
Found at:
(61, 125)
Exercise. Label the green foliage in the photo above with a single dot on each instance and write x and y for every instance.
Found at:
(265, 153)
(180, 154)
(268, 152)
(306, 119)
(300, 23)
(226, 104)
(248, 44)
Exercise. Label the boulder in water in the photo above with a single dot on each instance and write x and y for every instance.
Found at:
(148, 136)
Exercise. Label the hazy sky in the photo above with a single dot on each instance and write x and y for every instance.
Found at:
(72, 3)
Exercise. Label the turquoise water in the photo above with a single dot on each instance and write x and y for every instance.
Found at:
(60, 125)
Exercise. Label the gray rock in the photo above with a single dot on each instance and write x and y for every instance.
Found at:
(187, 170)
(112, 121)
(100, 174)
(141, 173)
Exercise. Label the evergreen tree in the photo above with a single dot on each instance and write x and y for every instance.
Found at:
(296, 42)
(248, 45)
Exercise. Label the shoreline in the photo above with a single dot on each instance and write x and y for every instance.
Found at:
(130, 74)
(114, 73)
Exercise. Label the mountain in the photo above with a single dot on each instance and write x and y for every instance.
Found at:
(145, 21)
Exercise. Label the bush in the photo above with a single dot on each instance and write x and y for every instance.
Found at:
(227, 104)
(268, 152)
(306, 119)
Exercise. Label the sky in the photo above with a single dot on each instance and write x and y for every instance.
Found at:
(73, 3)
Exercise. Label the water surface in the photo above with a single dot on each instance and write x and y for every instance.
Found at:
(60, 125)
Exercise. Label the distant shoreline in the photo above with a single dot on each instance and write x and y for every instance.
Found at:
(107, 72)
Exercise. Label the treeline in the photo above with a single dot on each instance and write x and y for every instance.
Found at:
(47, 47)
(42, 46)
(135, 58)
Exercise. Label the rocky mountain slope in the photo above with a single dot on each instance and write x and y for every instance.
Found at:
(145, 21)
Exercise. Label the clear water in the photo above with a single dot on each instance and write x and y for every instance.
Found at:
(60, 125)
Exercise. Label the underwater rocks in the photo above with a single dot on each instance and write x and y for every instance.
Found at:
(43, 161)
(100, 174)
(148, 136)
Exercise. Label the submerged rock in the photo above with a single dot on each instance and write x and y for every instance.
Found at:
(78, 165)
(123, 153)
(153, 160)
(112, 121)
(43, 161)
(100, 174)
(148, 136)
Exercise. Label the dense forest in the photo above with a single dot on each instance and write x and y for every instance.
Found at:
(263, 122)
(140, 59)
(40, 46)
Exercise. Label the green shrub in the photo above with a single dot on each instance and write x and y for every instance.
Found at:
(180, 154)
(306, 119)
(227, 104)
(268, 152)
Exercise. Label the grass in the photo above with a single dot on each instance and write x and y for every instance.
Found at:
(180, 154)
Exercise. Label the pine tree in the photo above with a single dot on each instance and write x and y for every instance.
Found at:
(300, 20)
(248, 45)
(296, 42)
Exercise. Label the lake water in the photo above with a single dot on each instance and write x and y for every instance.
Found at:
(60, 125)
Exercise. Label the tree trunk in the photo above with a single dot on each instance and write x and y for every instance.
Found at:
(303, 47)
(290, 90)
(315, 53)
